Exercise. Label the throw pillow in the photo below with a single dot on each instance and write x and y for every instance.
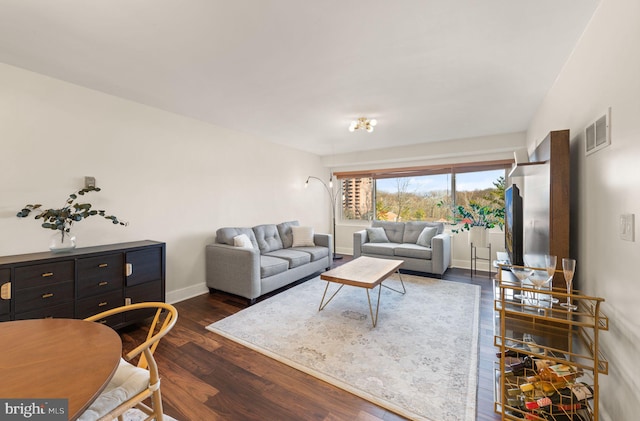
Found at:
(424, 239)
(377, 235)
(302, 236)
(242, 240)
(284, 229)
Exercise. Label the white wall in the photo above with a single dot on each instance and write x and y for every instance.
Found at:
(174, 179)
(604, 71)
(474, 149)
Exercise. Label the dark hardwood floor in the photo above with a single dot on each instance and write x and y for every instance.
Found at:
(208, 377)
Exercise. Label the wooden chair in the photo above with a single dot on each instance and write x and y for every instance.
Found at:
(132, 384)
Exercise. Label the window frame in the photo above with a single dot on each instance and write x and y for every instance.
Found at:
(451, 169)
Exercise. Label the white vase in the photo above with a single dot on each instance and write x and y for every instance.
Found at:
(478, 236)
(62, 241)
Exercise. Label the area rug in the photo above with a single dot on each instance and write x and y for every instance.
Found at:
(420, 361)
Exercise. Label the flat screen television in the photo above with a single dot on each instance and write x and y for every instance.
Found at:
(513, 225)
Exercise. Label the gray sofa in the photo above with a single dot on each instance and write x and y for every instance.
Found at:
(423, 246)
(270, 263)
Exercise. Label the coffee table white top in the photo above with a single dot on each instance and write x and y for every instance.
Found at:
(364, 272)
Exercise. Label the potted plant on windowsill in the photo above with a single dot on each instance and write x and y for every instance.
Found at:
(476, 219)
(61, 220)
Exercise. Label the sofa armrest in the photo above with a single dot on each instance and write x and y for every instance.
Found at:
(233, 269)
(440, 253)
(359, 238)
(324, 240)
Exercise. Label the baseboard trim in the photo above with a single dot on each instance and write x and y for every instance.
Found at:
(466, 264)
(186, 293)
(345, 251)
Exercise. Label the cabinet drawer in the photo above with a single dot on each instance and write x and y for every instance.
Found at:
(45, 296)
(97, 275)
(5, 306)
(151, 291)
(5, 277)
(97, 304)
(42, 275)
(146, 266)
(62, 311)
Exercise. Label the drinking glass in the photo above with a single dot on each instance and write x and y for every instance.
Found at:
(550, 263)
(538, 278)
(522, 274)
(568, 268)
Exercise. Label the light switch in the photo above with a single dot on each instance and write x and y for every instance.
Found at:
(89, 182)
(627, 227)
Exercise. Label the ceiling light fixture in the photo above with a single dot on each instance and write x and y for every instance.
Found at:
(363, 123)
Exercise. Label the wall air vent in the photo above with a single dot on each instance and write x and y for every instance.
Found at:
(598, 134)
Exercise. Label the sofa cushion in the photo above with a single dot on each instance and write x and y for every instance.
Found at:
(227, 234)
(413, 229)
(270, 266)
(394, 230)
(438, 225)
(242, 240)
(377, 235)
(267, 237)
(385, 249)
(284, 229)
(294, 257)
(424, 239)
(302, 236)
(316, 253)
(412, 250)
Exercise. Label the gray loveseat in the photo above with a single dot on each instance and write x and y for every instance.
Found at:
(270, 262)
(423, 246)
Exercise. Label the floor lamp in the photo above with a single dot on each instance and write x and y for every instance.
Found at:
(333, 197)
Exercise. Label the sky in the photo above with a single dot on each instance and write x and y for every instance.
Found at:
(464, 182)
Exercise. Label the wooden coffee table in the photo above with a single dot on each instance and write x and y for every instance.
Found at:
(364, 272)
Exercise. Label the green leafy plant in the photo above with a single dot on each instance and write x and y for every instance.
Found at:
(63, 218)
(476, 215)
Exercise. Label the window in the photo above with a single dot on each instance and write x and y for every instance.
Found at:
(417, 194)
(357, 198)
(412, 198)
(482, 187)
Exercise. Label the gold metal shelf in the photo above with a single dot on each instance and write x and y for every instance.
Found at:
(559, 335)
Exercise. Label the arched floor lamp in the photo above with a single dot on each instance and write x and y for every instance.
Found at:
(333, 198)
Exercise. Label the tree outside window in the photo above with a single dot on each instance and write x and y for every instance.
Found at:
(417, 198)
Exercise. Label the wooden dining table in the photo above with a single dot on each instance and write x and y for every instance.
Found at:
(57, 359)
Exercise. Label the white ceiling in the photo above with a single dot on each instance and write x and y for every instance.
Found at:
(296, 72)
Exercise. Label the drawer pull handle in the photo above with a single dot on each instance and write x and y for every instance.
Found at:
(47, 274)
(5, 291)
(103, 283)
(49, 295)
(102, 304)
(128, 269)
(103, 265)
(103, 321)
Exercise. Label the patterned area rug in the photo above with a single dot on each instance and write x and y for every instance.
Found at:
(420, 361)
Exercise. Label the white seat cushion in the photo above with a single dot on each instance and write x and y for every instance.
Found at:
(127, 382)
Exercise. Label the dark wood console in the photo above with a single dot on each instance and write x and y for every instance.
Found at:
(82, 282)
